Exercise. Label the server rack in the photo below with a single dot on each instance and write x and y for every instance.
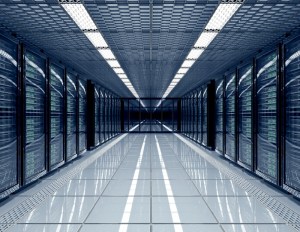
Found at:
(183, 115)
(56, 104)
(230, 116)
(204, 116)
(97, 116)
(245, 116)
(267, 114)
(191, 106)
(291, 148)
(72, 114)
(195, 116)
(82, 116)
(9, 112)
(102, 116)
(220, 116)
(34, 108)
(106, 123)
(199, 118)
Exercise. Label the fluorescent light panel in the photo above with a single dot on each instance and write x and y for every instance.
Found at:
(221, 16)
(194, 53)
(83, 20)
(96, 39)
(80, 16)
(188, 63)
(107, 53)
(205, 39)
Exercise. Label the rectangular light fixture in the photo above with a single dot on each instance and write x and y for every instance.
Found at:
(118, 70)
(106, 53)
(178, 76)
(122, 76)
(113, 63)
(221, 16)
(205, 39)
(188, 63)
(96, 39)
(81, 17)
(183, 70)
(194, 54)
(219, 19)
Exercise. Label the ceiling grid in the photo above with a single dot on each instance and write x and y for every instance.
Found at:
(150, 39)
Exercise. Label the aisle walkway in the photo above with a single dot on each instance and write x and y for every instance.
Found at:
(145, 182)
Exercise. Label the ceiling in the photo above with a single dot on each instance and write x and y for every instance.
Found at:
(150, 38)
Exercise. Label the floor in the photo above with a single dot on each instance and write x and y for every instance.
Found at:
(145, 182)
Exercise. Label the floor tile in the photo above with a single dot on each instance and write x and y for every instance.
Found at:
(61, 210)
(179, 188)
(196, 173)
(241, 210)
(82, 187)
(186, 228)
(219, 188)
(123, 187)
(45, 228)
(258, 228)
(111, 210)
(190, 210)
(178, 174)
(132, 164)
(128, 174)
(94, 174)
(168, 164)
(115, 228)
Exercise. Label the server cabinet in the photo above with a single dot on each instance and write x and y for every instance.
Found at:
(220, 116)
(191, 104)
(106, 123)
(199, 118)
(195, 116)
(102, 116)
(71, 97)
(186, 115)
(56, 121)
(291, 177)
(267, 157)
(230, 118)
(211, 126)
(204, 117)
(91, 115)
(113, 115)
(8, 117)
(82, 115)
(245, 122)
(97, 116)
(189, 115)
(34, 90)
(183, 115)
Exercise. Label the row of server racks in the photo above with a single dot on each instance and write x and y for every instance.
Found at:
(44, 109)
(255, 109)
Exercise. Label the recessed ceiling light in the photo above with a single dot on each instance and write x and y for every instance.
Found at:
(183, 70)
(188, 63)
(205, 39)
(107, 53)
(96, 39)
(195, 53)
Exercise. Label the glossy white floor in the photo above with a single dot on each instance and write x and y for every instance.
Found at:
(145, 182)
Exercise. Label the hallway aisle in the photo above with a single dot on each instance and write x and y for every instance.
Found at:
(146, 183)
